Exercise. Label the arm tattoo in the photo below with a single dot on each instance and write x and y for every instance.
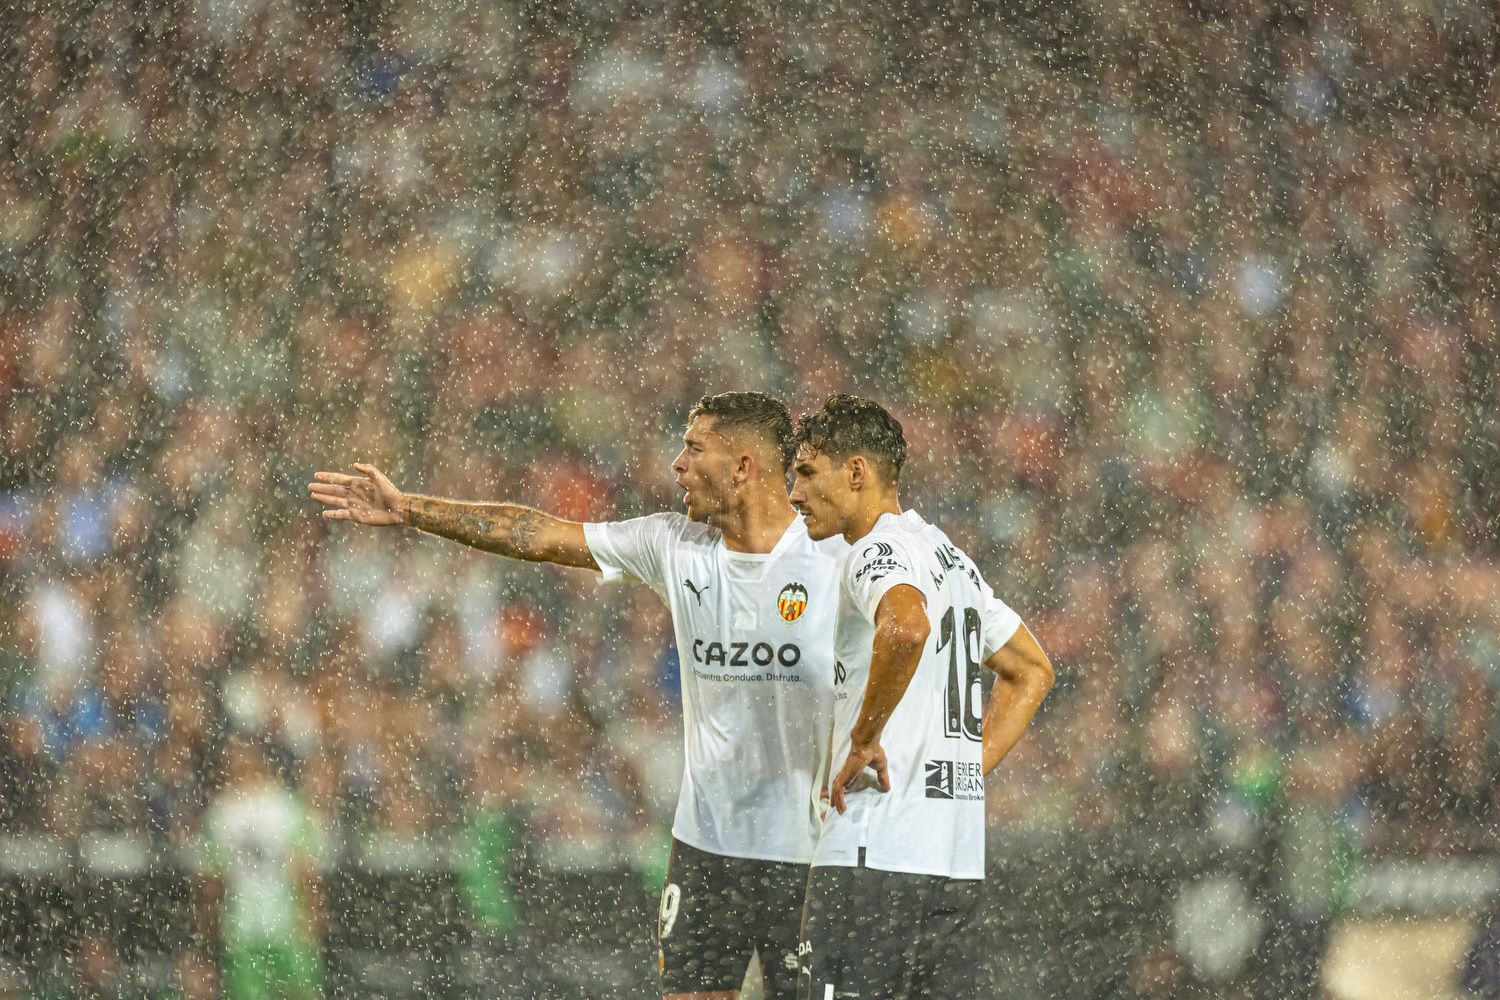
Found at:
(502, 528)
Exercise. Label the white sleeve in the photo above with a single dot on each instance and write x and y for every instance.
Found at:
(997, 622)
(874, 568)
(636, 548)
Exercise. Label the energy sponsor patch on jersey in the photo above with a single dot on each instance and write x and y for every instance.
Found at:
(877, 560)
(792, 601)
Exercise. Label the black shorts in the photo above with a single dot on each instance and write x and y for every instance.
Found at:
(716, 911)
(879, 935)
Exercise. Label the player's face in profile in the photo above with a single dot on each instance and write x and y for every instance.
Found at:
(820, 492)
(704, 470)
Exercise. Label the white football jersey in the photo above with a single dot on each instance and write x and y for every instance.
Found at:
(931, 822)
(755, 638)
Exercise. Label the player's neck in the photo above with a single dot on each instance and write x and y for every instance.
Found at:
(757, 524)
(865, 516)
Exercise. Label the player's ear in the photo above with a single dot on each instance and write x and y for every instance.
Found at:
(858, 471)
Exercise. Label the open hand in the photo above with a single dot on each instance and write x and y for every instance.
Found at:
(853, 776)
(369, 498)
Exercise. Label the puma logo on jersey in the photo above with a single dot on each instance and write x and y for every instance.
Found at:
(697, 591)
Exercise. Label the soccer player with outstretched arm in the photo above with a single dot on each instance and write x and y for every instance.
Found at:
(753, 600)
(898, 871)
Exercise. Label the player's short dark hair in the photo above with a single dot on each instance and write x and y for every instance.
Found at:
(756, 411)
(848, 425)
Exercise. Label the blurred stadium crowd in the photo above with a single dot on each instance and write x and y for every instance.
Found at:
(1189, 310)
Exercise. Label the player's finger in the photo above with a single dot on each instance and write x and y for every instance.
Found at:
(882, 773)
(845, 774)
(375, 474)
(332, 499)
(337, 478)
(841, 782)
(330, 493)
(337, 515)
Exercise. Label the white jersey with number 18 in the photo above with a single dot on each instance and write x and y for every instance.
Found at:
(755, 638)
(931, 822)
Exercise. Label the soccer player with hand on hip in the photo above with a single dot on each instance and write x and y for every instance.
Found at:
(898, 871)
(753, 600)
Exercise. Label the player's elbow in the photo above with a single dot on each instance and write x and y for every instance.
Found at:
(1030, 677)
(1039, 676)
(1023, 663)
(1048, 675)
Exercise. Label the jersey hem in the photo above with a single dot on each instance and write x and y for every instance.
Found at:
(742, 856)
(897, 869)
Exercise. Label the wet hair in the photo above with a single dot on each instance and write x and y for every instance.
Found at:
(759, 412)
(847, 426)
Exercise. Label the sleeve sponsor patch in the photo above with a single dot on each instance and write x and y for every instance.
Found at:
(877, 568)
(877, 560)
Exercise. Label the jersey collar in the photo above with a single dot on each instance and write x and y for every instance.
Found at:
(787, 538)
(906, 519)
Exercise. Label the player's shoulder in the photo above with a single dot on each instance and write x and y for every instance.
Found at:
(673, 527)
(889, 547)
(950, 558)
(895, 535)
(693, 533)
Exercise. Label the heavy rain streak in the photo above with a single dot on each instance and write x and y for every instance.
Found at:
(344, 343)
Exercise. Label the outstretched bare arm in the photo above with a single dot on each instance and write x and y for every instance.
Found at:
(502, 528)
